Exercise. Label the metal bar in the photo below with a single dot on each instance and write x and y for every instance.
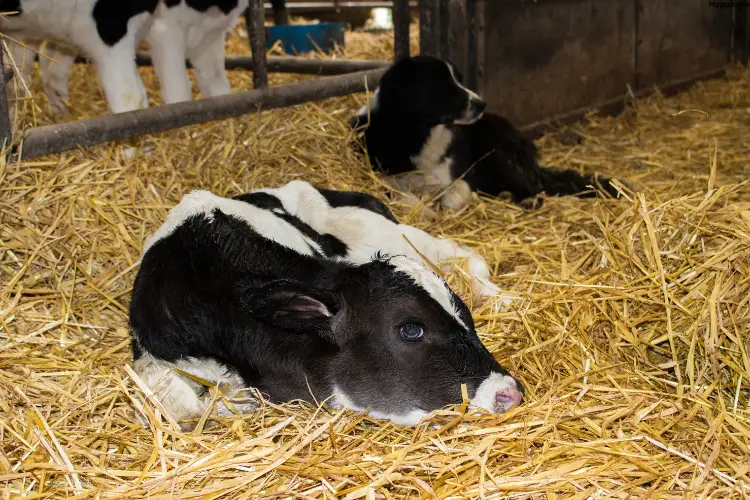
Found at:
(6, 132)
(427, 28)
(296, 65)
(256, 32)
(401, 21)
(443, 17)
(83, 133)
(280, 13)
(340, 5)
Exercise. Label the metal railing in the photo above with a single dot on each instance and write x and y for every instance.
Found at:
(92, 131)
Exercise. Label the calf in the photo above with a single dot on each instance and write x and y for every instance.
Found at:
(422, 120)
(109, 31)
(245, 293)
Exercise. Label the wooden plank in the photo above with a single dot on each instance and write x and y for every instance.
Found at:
(548, 58)
(681, 39)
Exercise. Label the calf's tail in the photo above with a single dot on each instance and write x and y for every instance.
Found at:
(569, 182)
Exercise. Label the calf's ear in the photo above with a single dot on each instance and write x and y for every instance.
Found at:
(292, 306)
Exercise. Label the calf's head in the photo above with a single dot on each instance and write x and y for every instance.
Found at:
(430, 89)
(404, 342)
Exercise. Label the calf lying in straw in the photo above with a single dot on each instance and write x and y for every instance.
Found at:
(290, 291)
(422, 121)
(109, 31)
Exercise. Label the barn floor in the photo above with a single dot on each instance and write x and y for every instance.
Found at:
(632, 332)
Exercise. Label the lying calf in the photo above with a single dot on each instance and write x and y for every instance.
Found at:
(242, 291)
(109, 31)
(421, 119)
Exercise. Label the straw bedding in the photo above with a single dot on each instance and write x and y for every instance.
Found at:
(631, 333)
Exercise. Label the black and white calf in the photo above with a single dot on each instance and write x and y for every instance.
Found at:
(422, 120)
(109, 31)
(248, 293)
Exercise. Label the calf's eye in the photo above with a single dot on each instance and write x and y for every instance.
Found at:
(411, 332)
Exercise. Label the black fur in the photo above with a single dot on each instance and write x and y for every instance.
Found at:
(330, 245)
(355, 199)
(294, 325)
(417, 94)
(10, 6)
(226, 6)
(112, 16)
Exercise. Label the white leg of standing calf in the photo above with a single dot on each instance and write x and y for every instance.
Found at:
(118, 73)
(167, 44)
(208, 59)
(56, 64)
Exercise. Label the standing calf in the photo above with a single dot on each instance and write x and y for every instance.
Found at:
(422, 120)
(247, 292)
(109, 31)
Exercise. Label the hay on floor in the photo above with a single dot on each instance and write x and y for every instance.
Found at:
(631, 333)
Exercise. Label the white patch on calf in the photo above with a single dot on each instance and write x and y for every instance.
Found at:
(468, 118)
(430, 282)
(183, 398)
(366, 233)
(371, 105)
(493, 387)
(432, 159)
(264, 222)
(472, 95)
(340, 400)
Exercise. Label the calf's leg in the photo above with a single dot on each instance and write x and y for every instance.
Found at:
(55, 69)
(208, 59)
(167, 44)
(185, 399)
(116, 66)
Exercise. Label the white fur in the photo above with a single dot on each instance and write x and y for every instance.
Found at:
(174, 34)
(468, 117)
(179, 33)
(341, 400)
(366, 233)
(371, 105)
(431, 160)
(457, 195)
(180, 395)
(486, 392)
(262, 221)
(430, 282)
(70, 24)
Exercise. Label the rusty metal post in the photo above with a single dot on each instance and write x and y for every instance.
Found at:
(256, 32)
(401, 20)
(6, 132)
(427, 38)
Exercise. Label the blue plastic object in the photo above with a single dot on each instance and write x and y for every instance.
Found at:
(298, 38)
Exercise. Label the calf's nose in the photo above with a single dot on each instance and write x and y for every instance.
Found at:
(478, 105)
(507, 398)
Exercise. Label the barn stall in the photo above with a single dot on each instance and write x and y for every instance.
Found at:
(630, 335)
